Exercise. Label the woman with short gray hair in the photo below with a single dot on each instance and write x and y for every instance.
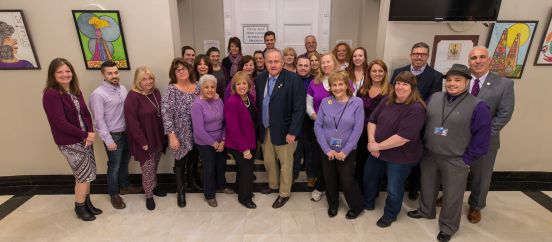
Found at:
(208, 130)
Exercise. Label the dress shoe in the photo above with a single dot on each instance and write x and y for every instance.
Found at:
(117, 202)
(439, 202)
(311, 181)
(249, 204)
(131, 190)
(280, 202)
(159, 192)
(442, 237)
(385, 222)
(212, 202)
(413, 195)
(83, 213)
(150, 203)
(417, 214)
(268, 190)
(332, 212)
(181, 199)
(351, 214)
(88, 204)
(474, 216)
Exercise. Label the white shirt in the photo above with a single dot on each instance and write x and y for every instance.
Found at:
(481, 81)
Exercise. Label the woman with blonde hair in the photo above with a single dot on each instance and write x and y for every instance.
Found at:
(290, 59)
(145, 128)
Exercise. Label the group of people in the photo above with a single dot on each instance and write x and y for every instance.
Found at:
(339, 113)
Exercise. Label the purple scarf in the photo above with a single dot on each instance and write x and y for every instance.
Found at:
(235, 60)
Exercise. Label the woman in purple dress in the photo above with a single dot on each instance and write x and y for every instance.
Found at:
(176, 107)
(71, 126)
(145, 129)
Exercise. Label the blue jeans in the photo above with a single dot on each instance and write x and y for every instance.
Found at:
(214, 167)
(396, 177)
(117, 164)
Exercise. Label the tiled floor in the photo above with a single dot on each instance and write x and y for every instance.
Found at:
(510, 216)
(4, 198)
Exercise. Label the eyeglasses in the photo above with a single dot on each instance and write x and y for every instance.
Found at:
(418, 54)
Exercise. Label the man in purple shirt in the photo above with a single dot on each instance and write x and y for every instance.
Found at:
(310, 45)
(457, 133)
(106, 104)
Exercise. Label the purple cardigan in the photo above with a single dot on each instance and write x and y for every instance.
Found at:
(64, 119)
(240, 129)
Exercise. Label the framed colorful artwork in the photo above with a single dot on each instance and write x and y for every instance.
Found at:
(101, 38)
(544, 55)
(509, 43)
(451, 49)
(16, 47)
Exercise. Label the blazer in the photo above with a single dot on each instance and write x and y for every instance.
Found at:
(240, 129)
(286, 108)
(498, 92)
(64, 118)
(430, 81)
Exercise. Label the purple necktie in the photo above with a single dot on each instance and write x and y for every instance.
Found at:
(475, 88)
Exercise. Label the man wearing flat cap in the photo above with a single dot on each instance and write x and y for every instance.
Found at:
(457, 133)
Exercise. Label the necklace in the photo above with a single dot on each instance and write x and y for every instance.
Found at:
(154, 105)
(247, 102)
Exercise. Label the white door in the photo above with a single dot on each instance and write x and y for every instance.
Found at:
(291, 20)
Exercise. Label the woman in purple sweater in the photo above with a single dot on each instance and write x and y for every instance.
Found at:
(71, 126)
(338, 127)
(145, 128)
(240, 114)
(394, 143)
(208, 120)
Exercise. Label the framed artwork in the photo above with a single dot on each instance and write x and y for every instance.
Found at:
(544, 55)
(451, 49)
(509, 43)
(101, 38)
(16, 47)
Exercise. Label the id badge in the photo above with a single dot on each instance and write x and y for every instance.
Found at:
(440, 131)
(334, 142)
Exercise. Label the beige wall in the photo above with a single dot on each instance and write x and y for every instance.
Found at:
(26, 141)
(526, 139)
(153, 39)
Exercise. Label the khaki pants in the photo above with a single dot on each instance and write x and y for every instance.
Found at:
(284, 153)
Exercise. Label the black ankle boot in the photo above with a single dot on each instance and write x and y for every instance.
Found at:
(83, 213)
(90, 207)
(150, 203)
(180, 194)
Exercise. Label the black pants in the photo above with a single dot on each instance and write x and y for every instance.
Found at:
(361, 156)
(214, 167)
(342, 174)
(244, 176)
(317, 160)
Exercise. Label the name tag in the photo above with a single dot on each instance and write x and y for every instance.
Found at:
(440, 131)
(336, 143)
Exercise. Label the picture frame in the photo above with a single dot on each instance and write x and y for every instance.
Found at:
(509, 43)
(101, 38)
(451, 49)
(17, 51)
(544, 54)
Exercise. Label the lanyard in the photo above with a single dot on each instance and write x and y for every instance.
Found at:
(444, 118)
(340, 116)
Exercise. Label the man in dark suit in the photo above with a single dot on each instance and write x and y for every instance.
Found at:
(429, 81)
(281, 102)
(498, 93)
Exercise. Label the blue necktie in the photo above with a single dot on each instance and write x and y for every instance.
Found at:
(266, 100)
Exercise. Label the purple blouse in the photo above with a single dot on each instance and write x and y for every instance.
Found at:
(208, 121)
(176, 109)
(144, 125)
(370, 104)
(405, 120)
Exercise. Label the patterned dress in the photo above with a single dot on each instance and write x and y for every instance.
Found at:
(80, 158)
(176, 109)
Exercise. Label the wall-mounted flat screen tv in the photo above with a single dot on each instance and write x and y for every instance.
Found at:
(444, 10)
